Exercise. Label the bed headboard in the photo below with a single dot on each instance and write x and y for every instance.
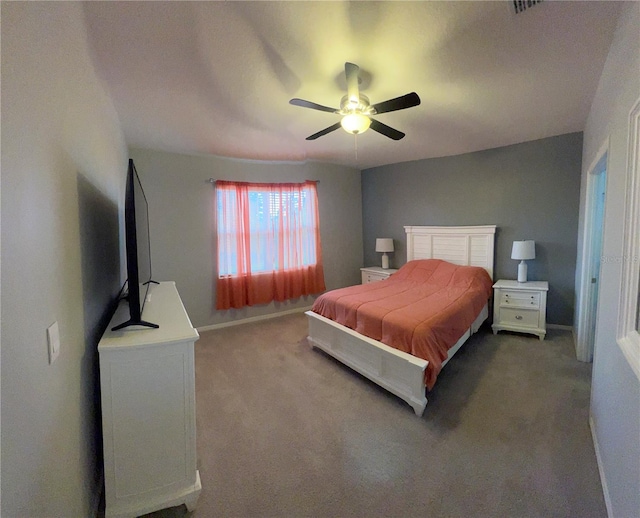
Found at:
(472, 246)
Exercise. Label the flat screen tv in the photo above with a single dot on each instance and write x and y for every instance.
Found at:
(138, 247)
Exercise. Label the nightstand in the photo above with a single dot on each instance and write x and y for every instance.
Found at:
(375, 273)
(520, 307)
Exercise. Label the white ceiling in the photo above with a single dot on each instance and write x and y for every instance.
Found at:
(216, 77)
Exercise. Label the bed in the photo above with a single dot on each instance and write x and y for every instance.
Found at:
(400, 370)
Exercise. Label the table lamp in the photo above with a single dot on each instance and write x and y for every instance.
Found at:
(384, 245)
(523, 251)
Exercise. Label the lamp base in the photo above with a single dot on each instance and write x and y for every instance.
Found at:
(385, 261)
(522, 271)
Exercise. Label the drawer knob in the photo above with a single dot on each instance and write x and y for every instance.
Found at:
(518, 317)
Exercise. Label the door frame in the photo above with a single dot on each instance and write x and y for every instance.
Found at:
(585, 342)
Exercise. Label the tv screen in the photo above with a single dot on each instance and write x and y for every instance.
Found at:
(138, 248)
(143, 245)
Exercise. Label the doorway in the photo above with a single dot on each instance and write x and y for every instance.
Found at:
(597, 185)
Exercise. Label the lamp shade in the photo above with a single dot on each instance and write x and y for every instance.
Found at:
(384, 244)
(523, 250)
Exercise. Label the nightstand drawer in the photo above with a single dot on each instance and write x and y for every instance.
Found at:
(519, 299)
(372, 277)
(375, 274)
(519, 317)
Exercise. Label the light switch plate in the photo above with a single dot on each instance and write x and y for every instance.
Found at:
(53, 340)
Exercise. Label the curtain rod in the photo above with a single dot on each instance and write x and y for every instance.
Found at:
(213, 181)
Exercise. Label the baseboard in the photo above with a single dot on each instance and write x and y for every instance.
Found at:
(252, 319)
(603, 478)
(559, 326)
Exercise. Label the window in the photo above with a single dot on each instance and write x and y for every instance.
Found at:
(629, 317)
(268, 242)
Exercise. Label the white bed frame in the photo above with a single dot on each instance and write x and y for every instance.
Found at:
(400, 373)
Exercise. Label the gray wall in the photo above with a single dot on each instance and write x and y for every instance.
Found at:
(182, 228)
(63, 170)
(615, 388)
(529, 190)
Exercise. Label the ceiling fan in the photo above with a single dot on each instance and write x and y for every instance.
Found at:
(357, 111)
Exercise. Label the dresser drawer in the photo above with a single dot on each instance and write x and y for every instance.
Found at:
(519, 299)
(519, 317)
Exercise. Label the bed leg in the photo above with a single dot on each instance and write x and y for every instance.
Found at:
(418, 408)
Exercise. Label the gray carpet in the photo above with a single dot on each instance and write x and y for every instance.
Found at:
(286, 431)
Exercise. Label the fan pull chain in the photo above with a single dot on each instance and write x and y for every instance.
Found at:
(355, 141)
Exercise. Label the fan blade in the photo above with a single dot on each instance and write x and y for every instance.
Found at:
(399, 103)
(385, 130)
(313, 106)
(324, 131)
(351, 72)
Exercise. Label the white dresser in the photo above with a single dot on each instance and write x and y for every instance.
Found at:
(147, 382)
(520, 306)
(375, 273)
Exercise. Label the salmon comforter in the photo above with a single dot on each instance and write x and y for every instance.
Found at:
(423, 309)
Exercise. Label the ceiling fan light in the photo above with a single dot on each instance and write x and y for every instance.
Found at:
(355, 123)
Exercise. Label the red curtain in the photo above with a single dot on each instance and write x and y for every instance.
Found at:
(268, 239)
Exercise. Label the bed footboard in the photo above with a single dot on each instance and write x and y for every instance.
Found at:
(400, 373)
